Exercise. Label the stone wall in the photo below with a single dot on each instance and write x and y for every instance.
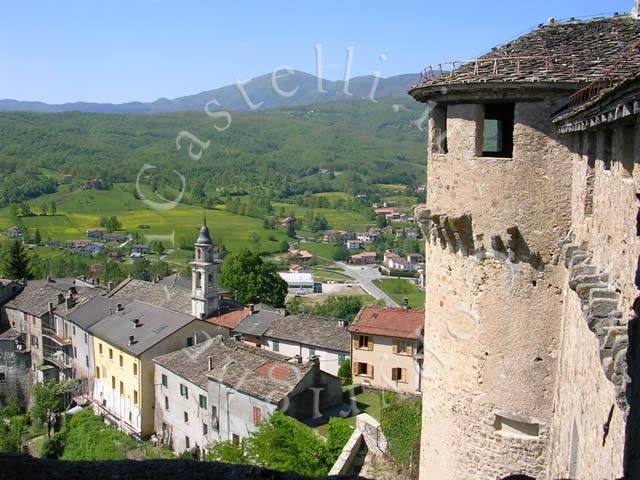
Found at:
(493, 296)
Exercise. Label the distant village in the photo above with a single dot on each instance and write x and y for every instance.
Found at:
(180, 362)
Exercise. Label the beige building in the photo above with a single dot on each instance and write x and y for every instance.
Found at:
(531, 257)
(385, 348)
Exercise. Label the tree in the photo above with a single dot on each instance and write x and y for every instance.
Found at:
(344, 372)
(381, 221)
(141, 269)
(37, 238)
(156, 246)
(291, 229)
(47, 403)
(44, 209)
(283, 247)
(16, 264)
(252, 280)
(227, 452)
(53, 208)
(342, 254)
(25, 210)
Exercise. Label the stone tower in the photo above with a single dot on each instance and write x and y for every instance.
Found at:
(499, 206)
(204, 276)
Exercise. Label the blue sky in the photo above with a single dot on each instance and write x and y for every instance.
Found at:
(116, 51)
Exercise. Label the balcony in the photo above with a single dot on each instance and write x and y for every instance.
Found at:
(53, 336)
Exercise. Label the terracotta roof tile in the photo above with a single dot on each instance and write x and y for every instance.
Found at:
(389, 322)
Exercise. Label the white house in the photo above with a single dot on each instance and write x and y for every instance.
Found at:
(309, 336)
(93, 248)
(353, 244)
(298, 283)
(221, 388)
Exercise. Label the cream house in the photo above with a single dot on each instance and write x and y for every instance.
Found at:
(386, 347)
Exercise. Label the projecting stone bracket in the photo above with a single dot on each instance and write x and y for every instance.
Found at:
(456, 234)
(600, 306)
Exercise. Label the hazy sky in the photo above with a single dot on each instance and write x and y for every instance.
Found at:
(116, 51)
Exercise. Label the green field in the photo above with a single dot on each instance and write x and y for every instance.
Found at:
(398, 289)
(79, 210)
(338, 219)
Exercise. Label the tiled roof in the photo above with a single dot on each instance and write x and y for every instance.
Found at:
(35, 297)
(389, 322)
(155, 324)
(10, 334)
(192, 363)
(174, 297)
(92, 311)
(256, 323)
(230, 319)
(257, 372)
(573, 51)
(312, 330)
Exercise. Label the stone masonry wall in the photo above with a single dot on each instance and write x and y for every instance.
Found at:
(493, 297)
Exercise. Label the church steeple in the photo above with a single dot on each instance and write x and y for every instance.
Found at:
(204, 278)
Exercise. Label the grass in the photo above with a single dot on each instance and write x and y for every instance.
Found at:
(338, 219)
(398, 289)
(323, 250)
(325, 275)
(370, 402)
(81, 209)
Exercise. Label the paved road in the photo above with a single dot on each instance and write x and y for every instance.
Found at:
(365, 276)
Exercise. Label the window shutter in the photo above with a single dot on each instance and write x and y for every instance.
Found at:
(394, 347)
(355, 367)
(371, 343)
(394, 374)
(404, 375)
(410, 349)
(369, 370)
(355, 341)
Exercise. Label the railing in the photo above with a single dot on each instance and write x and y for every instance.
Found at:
(611, 77)
(503, 65)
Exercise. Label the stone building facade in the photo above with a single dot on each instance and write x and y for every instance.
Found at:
(518, 279)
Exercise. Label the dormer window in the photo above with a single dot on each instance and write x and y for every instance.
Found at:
(497, 130)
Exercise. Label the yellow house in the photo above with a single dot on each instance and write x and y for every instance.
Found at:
(125, 342)
(385, 347)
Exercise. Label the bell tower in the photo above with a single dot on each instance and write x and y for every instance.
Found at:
(204, 276)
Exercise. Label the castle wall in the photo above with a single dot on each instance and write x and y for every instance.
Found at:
(593, 391)
(493, 297)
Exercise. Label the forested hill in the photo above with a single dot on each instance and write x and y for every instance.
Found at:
(364, 143)
(300, 88)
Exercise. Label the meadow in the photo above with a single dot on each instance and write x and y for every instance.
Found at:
(398, 289)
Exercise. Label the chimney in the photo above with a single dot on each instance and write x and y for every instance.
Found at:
(210, 362)
(251, 307)
(110, 286)
(131, 340)
(237, 337)
(314, 359)
(298, 358)
(135, 322)
(405, 303)
(48, 278)
(50, 305)
(60, 298)
(119, 307)
(70, 302)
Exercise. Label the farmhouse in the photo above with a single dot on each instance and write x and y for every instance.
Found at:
(95, 232)
(364, 258)
(12, 232)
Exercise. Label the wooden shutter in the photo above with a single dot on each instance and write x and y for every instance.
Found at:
(369, 370)
(355, 341)
(404, 374)
(394, 374)
(371, 343)
(355, 367)
(410, 349)
(394, 347)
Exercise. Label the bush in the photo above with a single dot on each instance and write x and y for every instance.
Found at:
(400, 421)
(53, 447)
(339, 433)
(344, 372)
(227, 452)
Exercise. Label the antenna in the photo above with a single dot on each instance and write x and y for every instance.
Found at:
(204, 216)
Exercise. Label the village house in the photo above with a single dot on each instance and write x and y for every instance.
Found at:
(77, 244)
(415, 258)
(93, 248)
(221, 389)
(125, 342)
(139, 251)
(287, 221)
(296, 268)
(15, 366)
(115, 237)
(252, 327)
(301, 255)
(409, 233)
(12, 232)
(353, 244)
(309, 336)
(95, 232)
(385, 211)
(364, 258)
(386, 348)
(393, 261)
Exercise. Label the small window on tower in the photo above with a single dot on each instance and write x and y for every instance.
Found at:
(497, 132)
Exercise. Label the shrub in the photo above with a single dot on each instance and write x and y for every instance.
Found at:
(339, 433)
(400, 421)
(344, 372)
(227, 452)
(53, 447)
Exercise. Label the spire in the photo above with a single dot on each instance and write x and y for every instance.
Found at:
(204, 238)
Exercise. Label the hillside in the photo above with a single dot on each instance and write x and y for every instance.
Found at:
(259, 89)
(364, 143)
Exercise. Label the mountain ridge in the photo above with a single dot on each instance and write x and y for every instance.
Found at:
(260, 92)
